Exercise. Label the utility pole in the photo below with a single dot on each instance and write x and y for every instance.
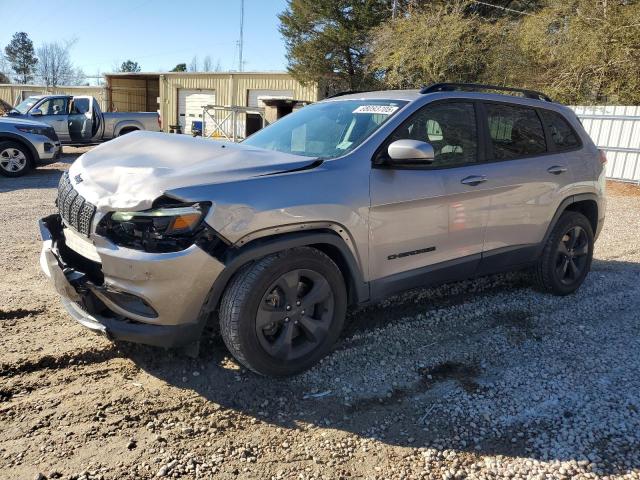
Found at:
(240, 43)
(394, 8)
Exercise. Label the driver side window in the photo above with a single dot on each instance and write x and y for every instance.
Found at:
(54, 106)
(449, 127)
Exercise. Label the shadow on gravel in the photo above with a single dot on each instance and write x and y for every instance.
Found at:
(413, 416)
(55, 362)
(44, 176)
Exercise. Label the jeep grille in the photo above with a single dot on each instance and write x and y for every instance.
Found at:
(74, 209)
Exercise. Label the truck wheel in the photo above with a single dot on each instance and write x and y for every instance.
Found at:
(15, 159)
(281, 314)
(566, 258)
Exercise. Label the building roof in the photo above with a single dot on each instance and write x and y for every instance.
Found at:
(142, 74)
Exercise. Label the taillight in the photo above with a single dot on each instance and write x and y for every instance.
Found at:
(603, 157)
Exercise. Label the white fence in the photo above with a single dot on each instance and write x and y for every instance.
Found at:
(616, 130)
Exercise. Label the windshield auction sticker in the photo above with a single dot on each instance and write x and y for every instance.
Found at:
(376, 109)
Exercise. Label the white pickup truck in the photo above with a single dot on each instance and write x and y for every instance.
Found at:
(79, 119)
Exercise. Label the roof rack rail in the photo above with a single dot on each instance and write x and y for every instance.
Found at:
(347, 92)
(449, 87)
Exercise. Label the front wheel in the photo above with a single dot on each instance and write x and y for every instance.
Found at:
(566, 258)
(14, 159)
(281, 314)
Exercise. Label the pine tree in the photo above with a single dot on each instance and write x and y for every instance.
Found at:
(21, 56)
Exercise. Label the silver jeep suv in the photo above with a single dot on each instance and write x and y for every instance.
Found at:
(342, 203)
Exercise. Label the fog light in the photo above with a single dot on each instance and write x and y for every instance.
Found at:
(131, 303)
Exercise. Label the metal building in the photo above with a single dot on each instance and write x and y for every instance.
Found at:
(235, 98)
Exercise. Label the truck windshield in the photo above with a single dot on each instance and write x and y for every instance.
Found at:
(24, 106)
(326, 129)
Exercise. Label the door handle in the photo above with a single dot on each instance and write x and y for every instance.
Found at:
(473, 180)
(557, 169)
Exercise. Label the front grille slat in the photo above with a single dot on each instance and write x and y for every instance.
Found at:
(66, 205)
(73, 208)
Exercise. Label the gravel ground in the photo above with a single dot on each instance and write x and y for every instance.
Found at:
(484, 379)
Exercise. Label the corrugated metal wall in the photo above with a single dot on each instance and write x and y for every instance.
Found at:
(230, 89)
(10, 92)
(616, 130)
(133, 94)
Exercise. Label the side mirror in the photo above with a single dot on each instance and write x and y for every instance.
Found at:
(410, 152)
(36, 112)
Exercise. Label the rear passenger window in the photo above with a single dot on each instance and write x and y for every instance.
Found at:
(449, 127)
(562, 135)
(515, 131)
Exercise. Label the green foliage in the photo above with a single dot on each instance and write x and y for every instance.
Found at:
(21, 56)
(181, 67)
(4, 78)
(442, 43)
(578, 51)
(327, 40)
(581, 51)
(130, 66)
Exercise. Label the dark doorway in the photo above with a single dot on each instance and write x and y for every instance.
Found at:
(253, 124)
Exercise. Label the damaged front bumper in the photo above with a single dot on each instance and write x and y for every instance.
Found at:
(151, 298)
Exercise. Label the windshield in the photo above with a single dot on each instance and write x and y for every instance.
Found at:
(326, 129)
(24, 106)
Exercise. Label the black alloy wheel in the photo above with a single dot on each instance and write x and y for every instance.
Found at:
(566, 256)
(572, 255)
(295, 314)
(282, 313)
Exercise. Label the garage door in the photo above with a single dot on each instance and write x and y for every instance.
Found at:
(190, 103)
(253, 95)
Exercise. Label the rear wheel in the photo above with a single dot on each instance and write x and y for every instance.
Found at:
(282, 314)
(15, 159)
(566, 258)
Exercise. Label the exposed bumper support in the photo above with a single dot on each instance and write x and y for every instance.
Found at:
(178, 300)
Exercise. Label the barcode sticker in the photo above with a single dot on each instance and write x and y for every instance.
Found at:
(376, 109)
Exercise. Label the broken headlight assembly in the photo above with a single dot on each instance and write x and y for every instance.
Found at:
(168, 228)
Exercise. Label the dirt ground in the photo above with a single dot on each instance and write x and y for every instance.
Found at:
(483, 379)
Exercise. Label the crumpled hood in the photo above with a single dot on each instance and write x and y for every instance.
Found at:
(130, 172)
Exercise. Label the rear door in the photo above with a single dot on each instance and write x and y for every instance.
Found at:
(527, 180)
(430, 218)
(81, 120)
(55, 113)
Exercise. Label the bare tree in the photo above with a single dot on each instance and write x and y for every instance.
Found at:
(54, 65)
(193, 66)
(207, 64)
(5, 69)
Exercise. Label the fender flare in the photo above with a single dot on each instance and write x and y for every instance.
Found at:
(234, 259)
(35, 157)
(126, 124)
(579, 197)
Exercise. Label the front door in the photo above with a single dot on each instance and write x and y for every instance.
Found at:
(429, 220)
(55, 113)
(81, 120)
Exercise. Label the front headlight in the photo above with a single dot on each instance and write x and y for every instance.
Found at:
(33, 130)
(164, 229)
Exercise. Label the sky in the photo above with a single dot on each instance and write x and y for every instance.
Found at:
(157, 34)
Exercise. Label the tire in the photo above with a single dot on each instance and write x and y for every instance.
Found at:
(263, 321)
(15, 159)
(569, 245)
